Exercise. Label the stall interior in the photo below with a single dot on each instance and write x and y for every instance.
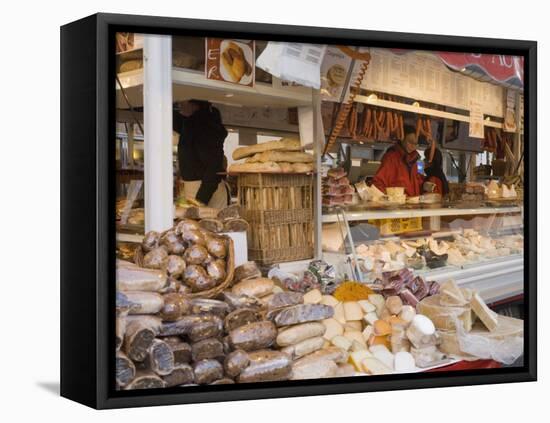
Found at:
(310, 269)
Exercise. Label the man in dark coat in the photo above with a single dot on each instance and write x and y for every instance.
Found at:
(200, 151)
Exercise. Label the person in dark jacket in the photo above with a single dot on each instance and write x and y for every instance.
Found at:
(200, 152)
(398, 167)
(435, 180)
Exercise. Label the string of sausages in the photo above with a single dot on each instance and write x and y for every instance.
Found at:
(344, 111)
(374, 124)
(491, 140)
(424, 128)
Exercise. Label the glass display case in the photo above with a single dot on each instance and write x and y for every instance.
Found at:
(480, 247)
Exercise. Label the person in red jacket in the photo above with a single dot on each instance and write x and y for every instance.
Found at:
(398, 167)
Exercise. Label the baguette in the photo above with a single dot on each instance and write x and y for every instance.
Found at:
(281, 156)
(269, 167)
(302, 167)
(285, 144)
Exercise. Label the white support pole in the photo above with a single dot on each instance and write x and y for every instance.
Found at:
(157, 116)
(305, 124)
(311, 133)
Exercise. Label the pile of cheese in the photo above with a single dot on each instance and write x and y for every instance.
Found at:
(381, 335)
(467, 247)
(495, 191)
(454, 312)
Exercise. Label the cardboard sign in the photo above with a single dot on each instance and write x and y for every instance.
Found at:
(510, 114)
(476, 120)
(230, 61)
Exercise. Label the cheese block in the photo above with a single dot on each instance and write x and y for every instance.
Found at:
(421, 331)
(404, 362)
(394, 304)
(281, 156)
(374, 366)
(451, 295)
(339, 313)
(284, 144)
(355, 336)
(370, 318)
(368, 332)
(367, 306)
(443, 317)
(357, 357)
(407, 313)
(507, 327)
(313, 297)
(329, 300)
(353, 325)
(379, 302)
(379, 340)
(333, 328)
(382, 328)
(358, 346)
(385, 356)
(341, 342)
(485, 314)
(352, 311)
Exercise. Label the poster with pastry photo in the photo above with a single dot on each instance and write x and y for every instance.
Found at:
(333, 73)
(230, 60)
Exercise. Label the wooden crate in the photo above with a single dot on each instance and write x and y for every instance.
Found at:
(279, 209)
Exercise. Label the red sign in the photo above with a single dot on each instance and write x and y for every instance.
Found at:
(504, 69)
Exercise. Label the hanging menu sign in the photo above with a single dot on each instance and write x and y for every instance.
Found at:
(230, 61)
(423, 77)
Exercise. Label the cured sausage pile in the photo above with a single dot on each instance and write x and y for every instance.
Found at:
(251, 332)
(337, 190)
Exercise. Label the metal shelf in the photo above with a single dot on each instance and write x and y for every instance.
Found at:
(189, 84)
(409, 213)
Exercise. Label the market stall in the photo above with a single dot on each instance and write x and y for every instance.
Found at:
(312, 271)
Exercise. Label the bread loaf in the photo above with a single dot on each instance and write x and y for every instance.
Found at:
(284, 144)
(270, 167)
(281, 156)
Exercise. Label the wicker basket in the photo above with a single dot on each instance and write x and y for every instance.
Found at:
(279, 210)
(211, 293)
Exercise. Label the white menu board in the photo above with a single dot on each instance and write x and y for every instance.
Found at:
(423, 77)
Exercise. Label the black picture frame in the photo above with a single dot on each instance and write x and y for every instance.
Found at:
(88, 223)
